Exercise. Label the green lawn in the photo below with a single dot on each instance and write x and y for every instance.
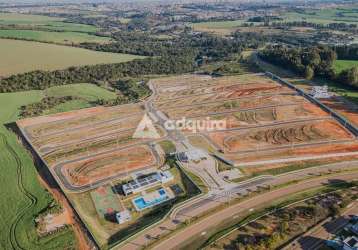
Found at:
(24, 197)
(52, 23)
(54, 37)
(340, 65)
(23, 56)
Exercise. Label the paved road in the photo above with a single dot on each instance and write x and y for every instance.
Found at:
(257, 201)
(315, 237)
(218, 197)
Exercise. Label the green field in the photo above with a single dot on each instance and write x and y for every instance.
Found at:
(24, 197)
(89, 92)
(54, 37)
(219, 27)
(23, 56)
(85, 91)
(340, 65)
(325, 16)
(51, 23)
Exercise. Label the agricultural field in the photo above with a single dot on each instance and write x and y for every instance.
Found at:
(43, 22)
(219, 27)
(325, 16)
(24, 56)
(65, 37)
(340, 65)
(264, 120)
(26, 197)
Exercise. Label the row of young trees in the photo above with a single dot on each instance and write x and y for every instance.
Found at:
(310, 62)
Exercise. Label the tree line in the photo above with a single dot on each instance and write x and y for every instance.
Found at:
(310, 62)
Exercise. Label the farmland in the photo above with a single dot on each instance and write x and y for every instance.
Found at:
(43, 22)
(220, 27)
(63, 37)
(24, 56)
(24, 198)
(263, 119)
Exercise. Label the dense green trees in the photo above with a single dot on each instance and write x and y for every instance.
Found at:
(314, 61)
(310, 61)
(347, 52)
(349, 77)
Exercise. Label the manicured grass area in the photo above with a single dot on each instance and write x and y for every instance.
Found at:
(340, 65)
(45, 22)
(53, 37)
(24, 197)
(23, 56)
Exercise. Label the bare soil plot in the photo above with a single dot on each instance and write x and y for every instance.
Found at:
(52, 141)
(232, 105)
(294, 152)
(90, 145)
(267, 116)
(230, 91)
(281, 135)
(58, 123)
(106, 165)
(84, 148)
(224, 95)
(348, 111)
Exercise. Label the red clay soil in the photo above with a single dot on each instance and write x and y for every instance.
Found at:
(81, 238)
(342, 109)
(300, 152)
(106, 165)
(233, 141)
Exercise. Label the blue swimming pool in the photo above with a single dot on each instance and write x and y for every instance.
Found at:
(140, 203)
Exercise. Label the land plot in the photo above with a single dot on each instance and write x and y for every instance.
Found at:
(232, 105)
(173, 84)
(94, 146)
(99, 167)
(290, 153)
(234, 89)
(60, 123)
(52, 141)
(271, 115)
(280, 135)
(348, 110)
(223, 96)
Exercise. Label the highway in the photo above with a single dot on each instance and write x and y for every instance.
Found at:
(203, 225)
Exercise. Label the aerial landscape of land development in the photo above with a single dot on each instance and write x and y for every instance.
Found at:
(189, 124)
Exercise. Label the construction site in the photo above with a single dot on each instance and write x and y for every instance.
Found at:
(118, 178)
(265, 118)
